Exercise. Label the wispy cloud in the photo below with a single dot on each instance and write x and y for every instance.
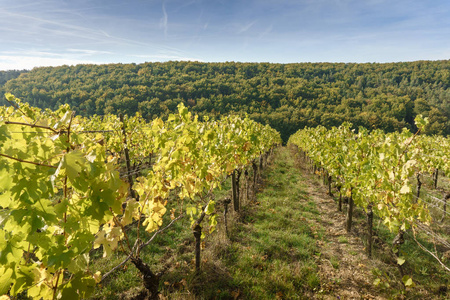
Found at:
(65, 32)
(57, 32)
(165, 19)
(32, 53)
(47, 28)
(246, 27)
(265, 32)
(89, 52)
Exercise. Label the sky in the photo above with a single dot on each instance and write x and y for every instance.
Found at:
(68, 32)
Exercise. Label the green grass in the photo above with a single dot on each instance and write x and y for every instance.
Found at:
(126, 280)
(343, 239)
(273, 254)
(428, 276)
(270, 251)
(431, 280)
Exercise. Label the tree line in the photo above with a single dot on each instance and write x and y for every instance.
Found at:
(285, 96)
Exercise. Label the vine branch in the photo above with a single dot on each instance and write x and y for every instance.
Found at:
(160, 231)
(27, 161)
(140, 247)
(31, 125)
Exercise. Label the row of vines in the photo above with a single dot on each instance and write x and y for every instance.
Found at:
(70, 184)
(380, 173)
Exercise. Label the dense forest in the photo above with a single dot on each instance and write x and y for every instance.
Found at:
(286, 96)
(8, 75)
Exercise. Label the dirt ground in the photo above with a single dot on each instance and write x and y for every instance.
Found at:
(345, 269)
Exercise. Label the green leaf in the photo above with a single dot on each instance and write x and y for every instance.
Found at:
(5, 279)
(10, 97)
(79, 263)
(23, 279)
(66, 118)
(421, 122)
(11, 251)
(84, 286)
(191, 211)
(61, 258)
(407, 281)
(210, 207)
(404, 227)
(69, 292)
(73, 163)
(377, 281)
(61, 208)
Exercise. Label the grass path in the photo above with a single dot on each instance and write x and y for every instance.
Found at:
(274, 247)
(295, 245)
(289, 242)
(344, 268)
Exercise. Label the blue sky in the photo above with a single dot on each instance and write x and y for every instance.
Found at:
(56, 32)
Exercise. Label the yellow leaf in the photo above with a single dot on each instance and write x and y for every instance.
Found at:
(98, 277)
(230, 168)
(405, 189)
(130, 211)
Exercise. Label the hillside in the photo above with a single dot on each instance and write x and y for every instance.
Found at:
(286, 96)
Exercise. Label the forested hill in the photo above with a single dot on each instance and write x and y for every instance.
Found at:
(8, 75)
(287, 96)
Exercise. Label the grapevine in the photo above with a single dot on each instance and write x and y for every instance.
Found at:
(62, 191)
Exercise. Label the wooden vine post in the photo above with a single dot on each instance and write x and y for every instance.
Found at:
(255, 172)
(329, 185)
(127, 159)
(369, 230)
(419, 186)
(238, 187)
(261, 161)
(247, 186)
(435, 177)
(350, 212)
(340, 197)
(266, 160)
(197, 235)
(234, 191)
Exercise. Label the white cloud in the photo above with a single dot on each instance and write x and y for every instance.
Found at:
(165, 57)
(19, 62)
(89, 52)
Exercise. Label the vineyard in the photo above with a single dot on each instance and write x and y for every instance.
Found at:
(383, 175)
(78, 190)
(69, 185)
